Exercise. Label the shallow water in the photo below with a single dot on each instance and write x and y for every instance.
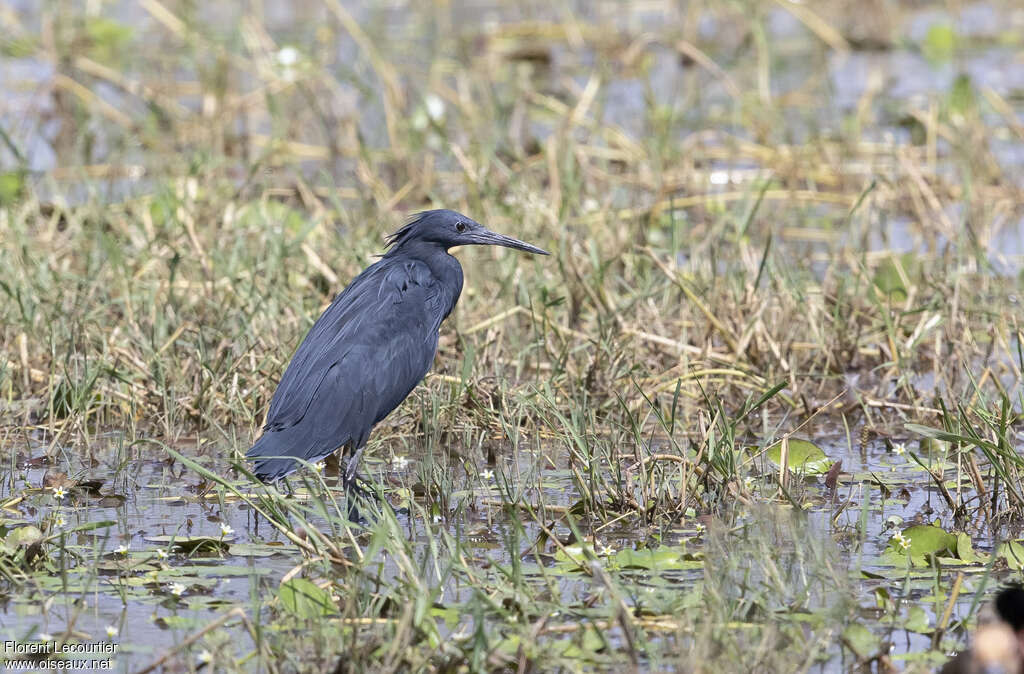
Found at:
(144, 496)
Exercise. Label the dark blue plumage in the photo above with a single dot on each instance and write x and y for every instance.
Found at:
(371, 347)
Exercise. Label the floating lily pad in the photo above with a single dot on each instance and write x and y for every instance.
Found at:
(917, 621)
(192, 544)
(1013, 553)
(862, 641)
(923, 541)
(662, 559)
(573, 556)
(804, 457)
(965, 550)
(119, 563)
(304, 599)
(23, 536)
(227, 571)
(256, 549)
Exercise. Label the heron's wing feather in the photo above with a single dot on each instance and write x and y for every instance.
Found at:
(362, 357)
(381, 315)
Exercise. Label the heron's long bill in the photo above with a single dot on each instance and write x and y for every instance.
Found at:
(488, 238)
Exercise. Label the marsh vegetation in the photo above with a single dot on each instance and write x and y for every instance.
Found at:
(758, 412)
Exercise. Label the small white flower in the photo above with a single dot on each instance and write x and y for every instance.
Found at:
(45, 636)
(287, 60)
(287, 56)
(111, 631)
(901, 540)
(748, 483)
(225, 529)
(487, 475)
(899, 449)
(700, 528)
(122, 550)
(435, 107)
(177, 589)
(606, 551)
(59, 493)
(319, 467)
(719, 177)
(206, 657)
(58, 520)
(399, 462)
(161, 553)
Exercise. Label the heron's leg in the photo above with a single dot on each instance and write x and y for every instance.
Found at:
(351, 479)
(353, 465)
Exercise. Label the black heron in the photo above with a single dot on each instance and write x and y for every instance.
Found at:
(370, 347)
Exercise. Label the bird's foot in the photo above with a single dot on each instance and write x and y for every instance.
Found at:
(357, 490)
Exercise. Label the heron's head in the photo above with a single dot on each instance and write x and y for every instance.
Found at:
(449, 229)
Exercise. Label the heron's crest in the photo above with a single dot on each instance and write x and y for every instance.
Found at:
(393, 240)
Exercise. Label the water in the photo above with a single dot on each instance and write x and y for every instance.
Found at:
(145, 496)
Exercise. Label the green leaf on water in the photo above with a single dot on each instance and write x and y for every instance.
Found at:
(659, 559)
(893, 275)
(193, 545)
(23, 536)
(12, 186)
(89, 526)
(573, 556)
(965, 550)
(219, 570)
(925, 541)
(861, 640)
(1013, 553)
(928, 539)
(804, 457)
(305, 600)
(185, 623)
(940, 42)
(917, 621)
(256, 549)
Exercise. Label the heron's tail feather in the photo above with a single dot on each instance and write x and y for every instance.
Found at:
(266, 456)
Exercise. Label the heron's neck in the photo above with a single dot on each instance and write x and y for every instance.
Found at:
(444, 267)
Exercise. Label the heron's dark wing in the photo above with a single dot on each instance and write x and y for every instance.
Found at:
(385, 304)
(361, 358)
